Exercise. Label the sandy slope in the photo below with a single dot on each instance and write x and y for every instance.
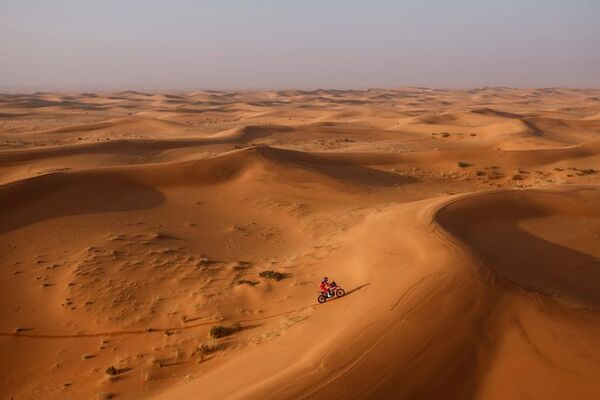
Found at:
(463, 225)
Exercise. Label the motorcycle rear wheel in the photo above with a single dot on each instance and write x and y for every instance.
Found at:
(321, 299)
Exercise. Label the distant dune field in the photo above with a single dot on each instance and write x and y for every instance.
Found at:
(136, 230)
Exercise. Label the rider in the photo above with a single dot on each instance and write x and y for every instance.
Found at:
(324, 286)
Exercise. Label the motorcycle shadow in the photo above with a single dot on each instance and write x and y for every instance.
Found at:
(349, 292)
(356, 289)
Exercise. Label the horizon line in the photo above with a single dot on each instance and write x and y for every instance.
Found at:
(141, 90)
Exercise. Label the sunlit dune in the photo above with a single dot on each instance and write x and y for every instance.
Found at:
(170, 245)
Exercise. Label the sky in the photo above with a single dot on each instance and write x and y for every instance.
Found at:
(304, 44)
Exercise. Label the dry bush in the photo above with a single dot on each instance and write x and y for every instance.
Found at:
(586, 171)
(220, 331)
(270, 274)
(494, 174)
(206, 349)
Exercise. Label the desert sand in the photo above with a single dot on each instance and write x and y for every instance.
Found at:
(464, 226)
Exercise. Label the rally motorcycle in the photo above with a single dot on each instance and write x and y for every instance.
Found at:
(334, 291)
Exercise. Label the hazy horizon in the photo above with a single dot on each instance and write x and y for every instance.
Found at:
(243, 45)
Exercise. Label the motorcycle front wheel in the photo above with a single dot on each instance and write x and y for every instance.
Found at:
(340, 292)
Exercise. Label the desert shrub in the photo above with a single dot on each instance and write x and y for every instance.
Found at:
(220, 331)
(245, 282)
(586, 171)
(494, 174)
(158, 362)
(111, 371)
(270, 274)
(462, 164)
(518, 177)
(480, 173)
(206, 348)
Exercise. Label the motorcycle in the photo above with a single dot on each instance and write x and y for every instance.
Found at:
(334, 291)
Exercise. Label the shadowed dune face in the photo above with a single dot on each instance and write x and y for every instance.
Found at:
(537, 253)
(522, 236)
(342, 170)
(170, 245)
(61, 195)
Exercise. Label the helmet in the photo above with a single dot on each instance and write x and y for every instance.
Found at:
(325, 279)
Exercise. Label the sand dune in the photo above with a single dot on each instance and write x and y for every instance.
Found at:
(139, 124)
(515, 237)
(464, 226)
